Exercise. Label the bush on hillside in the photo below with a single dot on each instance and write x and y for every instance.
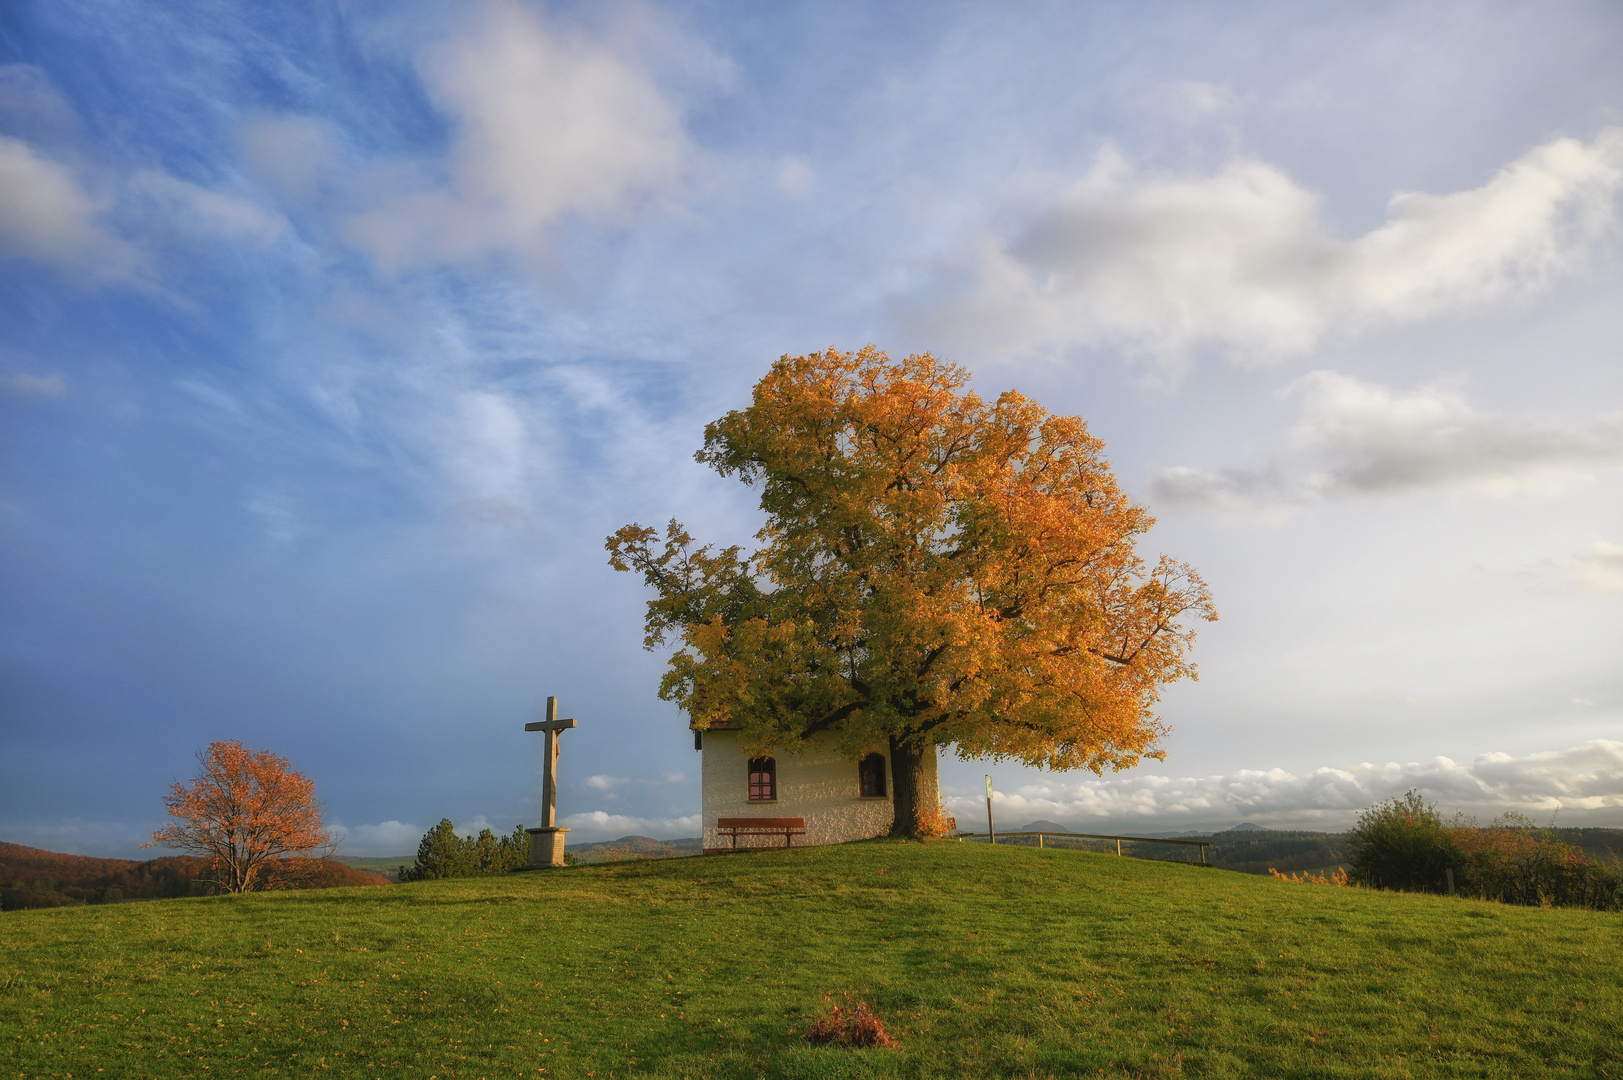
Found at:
(444, 854)
(1514, 862)
(1401, 844)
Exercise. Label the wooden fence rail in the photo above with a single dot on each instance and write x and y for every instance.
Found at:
(1201, 844)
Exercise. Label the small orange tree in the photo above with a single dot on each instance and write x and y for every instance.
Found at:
(935, 570)
(245, 809)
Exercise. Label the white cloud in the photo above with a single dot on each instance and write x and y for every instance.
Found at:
(384, 838)
(795, 177)
(31, 108)
(212, 396)
(477, 826)
(1359, 438)
(1230, 492)
(294, 155)
(1377, 440)
(600, 825)
(275, 513)
(178, 207)
(1204, 99)
(486, 447)
(24, 384)
(1241, 261)
(549, 123)
(76, 836)
(47, 216)
(1580, 783)
(606, 783)
(66, 209)
(1601, 568)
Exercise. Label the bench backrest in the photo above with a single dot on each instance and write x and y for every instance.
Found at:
(761, 823)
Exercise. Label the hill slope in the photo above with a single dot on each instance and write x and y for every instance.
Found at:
(980, 961)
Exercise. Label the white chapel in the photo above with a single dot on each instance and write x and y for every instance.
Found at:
(839, 799)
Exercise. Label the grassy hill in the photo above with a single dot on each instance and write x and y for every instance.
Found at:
(981, 961)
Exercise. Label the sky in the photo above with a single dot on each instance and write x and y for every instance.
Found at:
(336, 337)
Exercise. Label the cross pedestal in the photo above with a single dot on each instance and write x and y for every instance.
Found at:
(546, 847)
(547, 842)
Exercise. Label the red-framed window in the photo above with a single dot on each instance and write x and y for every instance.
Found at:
(763, 779)
(871, 776)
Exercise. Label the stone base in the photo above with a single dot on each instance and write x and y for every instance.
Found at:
(546, 847)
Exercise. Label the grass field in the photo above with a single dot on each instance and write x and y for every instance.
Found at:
(981, 962)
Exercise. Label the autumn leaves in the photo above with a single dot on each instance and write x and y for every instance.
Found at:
(934, 570)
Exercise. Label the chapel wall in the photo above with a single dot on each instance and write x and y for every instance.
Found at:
(818, 784)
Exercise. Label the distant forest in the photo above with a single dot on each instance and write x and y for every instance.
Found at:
(32, 878)
(1256, 851)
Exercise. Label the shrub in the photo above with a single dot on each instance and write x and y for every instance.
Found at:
(444, 854)
(1514, 862)
(1401, 844)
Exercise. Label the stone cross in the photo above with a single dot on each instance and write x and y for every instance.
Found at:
(547, 842)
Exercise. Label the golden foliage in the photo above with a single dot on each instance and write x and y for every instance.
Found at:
(935, 569)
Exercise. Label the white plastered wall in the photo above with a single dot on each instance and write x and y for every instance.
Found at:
(817, 784)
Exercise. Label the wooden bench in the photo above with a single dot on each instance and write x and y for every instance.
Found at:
(787, 827)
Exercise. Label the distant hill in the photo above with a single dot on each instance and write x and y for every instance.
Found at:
(34, 878)
(1040, 825)
(1246, 826)
(636, 847)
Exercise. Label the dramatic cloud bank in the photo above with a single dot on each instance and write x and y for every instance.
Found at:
(1241, 261)
(1582, 785)
(1366, 439)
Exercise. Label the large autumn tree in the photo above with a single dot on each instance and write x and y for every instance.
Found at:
(243, 811)
(935, 570)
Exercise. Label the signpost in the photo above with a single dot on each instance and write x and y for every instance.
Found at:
(991, 833)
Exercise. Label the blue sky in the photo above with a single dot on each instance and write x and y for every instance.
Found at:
(334, 339)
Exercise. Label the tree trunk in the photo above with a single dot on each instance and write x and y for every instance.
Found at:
(914, 794)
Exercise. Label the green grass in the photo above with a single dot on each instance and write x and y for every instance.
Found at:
(981, 962)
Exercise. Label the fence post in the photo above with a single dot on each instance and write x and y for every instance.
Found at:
(991, 830)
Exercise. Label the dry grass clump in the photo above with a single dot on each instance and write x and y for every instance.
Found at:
(852, 1025)
(1338, 878)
